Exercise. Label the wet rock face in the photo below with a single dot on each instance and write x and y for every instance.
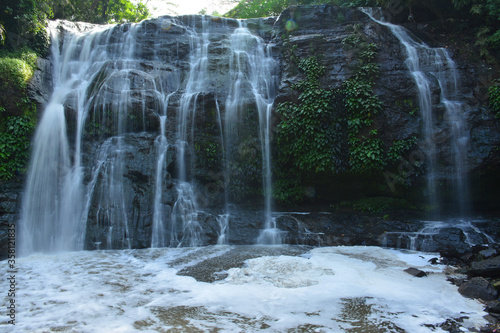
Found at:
(10, 198)
(122, 173)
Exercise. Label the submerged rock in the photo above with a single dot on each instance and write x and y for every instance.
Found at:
(415, 272)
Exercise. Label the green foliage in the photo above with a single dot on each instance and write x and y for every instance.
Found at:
(14, 145)
(26, 19)
(265, 8)
(288, 190)
(307, 134)
(494, 98)
(119, 11)
(103, 11)
(366, 154)
(400, 147)
(362, 104)
(488, 34)
(17, 68)
(24, 23)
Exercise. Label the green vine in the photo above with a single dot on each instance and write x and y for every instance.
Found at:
(307, 134)
(325, 131)
(494, 99)
(366, 150)
(14, 145)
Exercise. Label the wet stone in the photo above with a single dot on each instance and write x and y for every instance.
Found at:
(478, 288)
(415, 272)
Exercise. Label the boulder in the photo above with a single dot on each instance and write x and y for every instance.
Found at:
(494, 307)
(488, 267)
(479, 288)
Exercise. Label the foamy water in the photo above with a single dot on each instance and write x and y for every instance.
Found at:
(332, 289)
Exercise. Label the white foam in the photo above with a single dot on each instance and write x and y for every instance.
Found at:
(328, 290)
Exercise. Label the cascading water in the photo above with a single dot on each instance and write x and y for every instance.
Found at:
(160, 211)
(95, 103)
(52, 204)
(253, 68)
(185, 211)
(113, 87)
(423, 61)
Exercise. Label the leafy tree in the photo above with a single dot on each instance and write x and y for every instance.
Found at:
(23, 22)
(488, 12)
(262, 8)
(99, 11)
(2, 34)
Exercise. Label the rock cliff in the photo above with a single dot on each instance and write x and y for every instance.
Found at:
(157, 71)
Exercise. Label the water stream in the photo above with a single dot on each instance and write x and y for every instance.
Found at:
(426, 64)
(253, 68)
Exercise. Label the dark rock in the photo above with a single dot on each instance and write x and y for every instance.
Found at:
(41, 85)
(10, 199)
(480, 288)
(434, 261)
(490, 328)
(415, 272)
(488, 267)
(488, 253)
(494, 307)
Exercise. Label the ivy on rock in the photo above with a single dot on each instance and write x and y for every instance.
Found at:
(327, 131)
(309, 131)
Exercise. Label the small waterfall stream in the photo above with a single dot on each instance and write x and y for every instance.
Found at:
(161, 212)
(54, 196)
(424, 62)
(252, 67)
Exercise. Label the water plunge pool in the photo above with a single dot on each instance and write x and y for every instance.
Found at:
(237, 289)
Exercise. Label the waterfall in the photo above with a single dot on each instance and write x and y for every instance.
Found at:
(423, 62)
(160, 211)
(52, 203)
(135, 91)
(185, 212)
(95, 103)
(253, 68)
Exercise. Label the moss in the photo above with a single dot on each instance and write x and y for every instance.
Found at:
(17, 112)
(17, 68)
(494, 98)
